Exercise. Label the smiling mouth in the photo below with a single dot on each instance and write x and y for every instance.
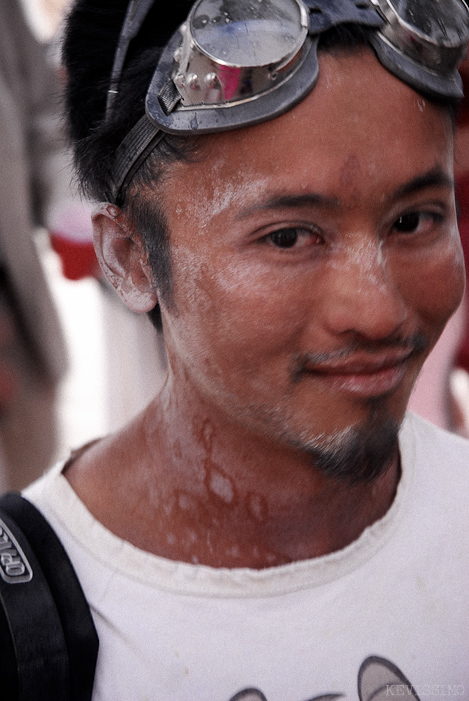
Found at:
(366, 381)
(364, 373)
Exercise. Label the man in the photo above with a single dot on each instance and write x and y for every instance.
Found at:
(273, 526)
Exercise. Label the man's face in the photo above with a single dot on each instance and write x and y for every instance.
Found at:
(316, 261)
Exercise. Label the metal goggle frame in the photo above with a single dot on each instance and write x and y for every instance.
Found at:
(235, 63)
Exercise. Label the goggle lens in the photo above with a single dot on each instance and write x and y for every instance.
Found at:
(246, 33)
(442, 24)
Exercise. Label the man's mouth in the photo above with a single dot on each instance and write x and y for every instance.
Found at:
(364, 373)
(365, 378)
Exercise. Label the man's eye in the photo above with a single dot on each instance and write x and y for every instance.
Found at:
(416, 221)
(294, 236)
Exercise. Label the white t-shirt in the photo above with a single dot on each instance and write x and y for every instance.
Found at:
(386, 616)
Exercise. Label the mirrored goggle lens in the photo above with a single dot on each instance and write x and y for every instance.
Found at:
(245, 33)
(443, 23)
(233, 50)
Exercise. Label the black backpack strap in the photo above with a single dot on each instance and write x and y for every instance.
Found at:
(49, 651)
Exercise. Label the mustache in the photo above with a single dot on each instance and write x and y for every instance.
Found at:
(415, 344)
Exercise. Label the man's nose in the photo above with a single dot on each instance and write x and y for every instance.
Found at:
(363, 298)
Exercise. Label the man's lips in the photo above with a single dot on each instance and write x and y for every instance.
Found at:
(362, 363)
(366, 375)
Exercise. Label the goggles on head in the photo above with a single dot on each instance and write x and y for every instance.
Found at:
(236, 63)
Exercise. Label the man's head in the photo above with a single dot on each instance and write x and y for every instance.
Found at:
(98, 35)
(315, 261)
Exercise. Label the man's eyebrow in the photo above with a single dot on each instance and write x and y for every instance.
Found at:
(436, 177)
(310, 199)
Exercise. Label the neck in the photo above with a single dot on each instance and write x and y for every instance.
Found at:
(253, 503)
(191, 486)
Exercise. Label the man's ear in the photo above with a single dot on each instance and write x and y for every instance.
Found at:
(123, 258)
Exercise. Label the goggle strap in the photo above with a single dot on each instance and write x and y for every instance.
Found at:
(169, 96)
(134, 19)
(131, 153)
(415, 74)
(325, 14)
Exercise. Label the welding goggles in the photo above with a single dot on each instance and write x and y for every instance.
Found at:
(236, 63)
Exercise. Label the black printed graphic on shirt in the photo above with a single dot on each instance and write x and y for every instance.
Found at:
(378, 679)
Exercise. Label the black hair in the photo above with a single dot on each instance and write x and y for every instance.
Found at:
(91, 35)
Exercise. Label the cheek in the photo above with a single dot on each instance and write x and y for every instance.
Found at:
(239, 315)
(436, 286)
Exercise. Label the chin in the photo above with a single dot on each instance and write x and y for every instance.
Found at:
(359, 453)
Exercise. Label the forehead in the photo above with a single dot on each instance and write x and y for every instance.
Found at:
(359, 125)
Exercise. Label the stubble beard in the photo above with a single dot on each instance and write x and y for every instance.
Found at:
(364, 452)
(358, 454)
(354, 455)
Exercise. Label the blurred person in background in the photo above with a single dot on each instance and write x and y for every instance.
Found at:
(34, 192)
(131, 348)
